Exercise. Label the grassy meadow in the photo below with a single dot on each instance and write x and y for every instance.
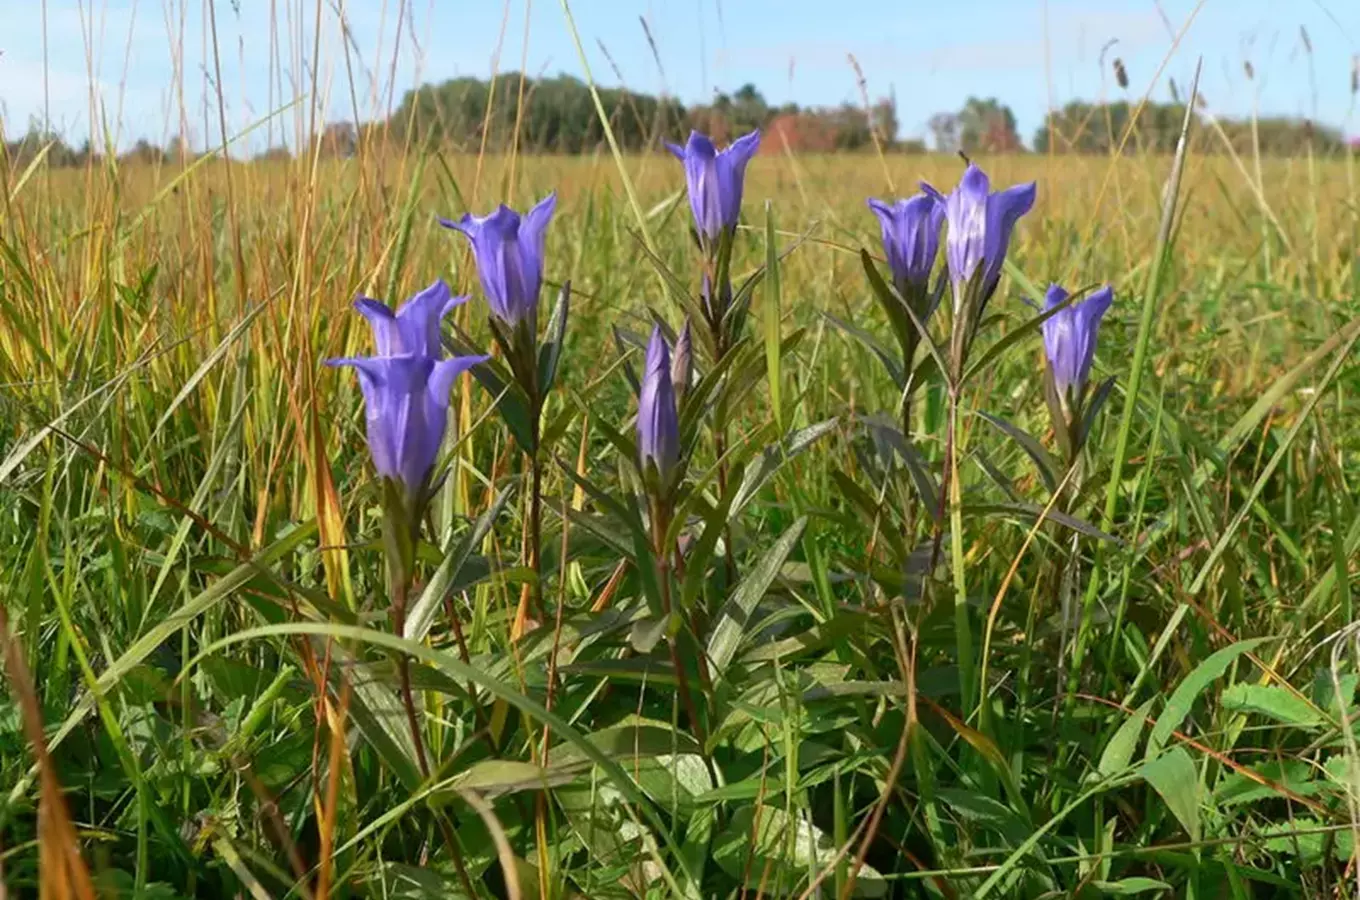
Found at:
(1160, 655)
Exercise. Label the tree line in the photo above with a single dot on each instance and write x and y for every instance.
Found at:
(559, 115)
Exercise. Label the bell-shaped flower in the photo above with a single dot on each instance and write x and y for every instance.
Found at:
(1070, 337)
(715, 179)
(406, 403)
(911, 238)
(658, 422)
(508, 249)
(980, 226)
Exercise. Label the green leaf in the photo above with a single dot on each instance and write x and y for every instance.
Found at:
(1119, 751)
(1173, 776)
(772, 317)
(422, 613)
(1031, 512)
(733, 618)
(899, 312)
(379, 715)
(1271, 700)
(1019, 334)
(511, 402)
(456, 669)
(636, 739)
(550, 354)
(772, 458)
(1043, 461)
(917, 468)
(1240, 787)
(890, 360)
(494, 777)
(1178, 707)
(1125, 887)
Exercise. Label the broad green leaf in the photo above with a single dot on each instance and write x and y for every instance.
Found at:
(379, 715)
(494, 777)
(735, 614)
(637, 739)
(1271, 700)
(1126, 887)
(1178, 707)
(1173, 776)
(1119, 751)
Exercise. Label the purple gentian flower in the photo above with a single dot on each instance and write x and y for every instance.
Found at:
(415, 327)
(406, 402)
(1070, 336)
(911, 237)
(714, 178)
(980, 225)
(658, 423)
(509, 253)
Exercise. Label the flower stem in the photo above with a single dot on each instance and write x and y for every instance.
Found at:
(660, 524)
(536, 528)
(399, 591)
(963, 635)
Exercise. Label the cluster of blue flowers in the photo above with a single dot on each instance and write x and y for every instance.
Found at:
(979, 225)
(407, 383)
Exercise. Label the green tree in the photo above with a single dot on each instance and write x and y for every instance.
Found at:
(987, 126)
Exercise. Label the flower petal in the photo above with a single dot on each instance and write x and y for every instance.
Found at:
(386, 332)
(419, 319)
(467, 224)
(731, 168)
(1004, 209)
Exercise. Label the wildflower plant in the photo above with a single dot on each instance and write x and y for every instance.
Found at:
(911, 241)
(508, 250)
(406, 388)
(1070, 333)
(715, 182)
(980, 223)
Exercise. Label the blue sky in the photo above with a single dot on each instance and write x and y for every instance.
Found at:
(932, 54)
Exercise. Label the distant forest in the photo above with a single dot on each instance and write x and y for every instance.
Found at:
(558, 115)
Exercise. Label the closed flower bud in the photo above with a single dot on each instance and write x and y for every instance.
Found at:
(658, 423)
(911, 238)
(1070, 337)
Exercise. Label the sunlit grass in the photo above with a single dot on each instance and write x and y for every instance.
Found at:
(167, 424)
